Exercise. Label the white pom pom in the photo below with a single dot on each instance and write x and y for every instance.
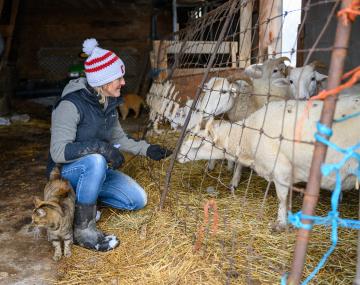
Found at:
(89, 45)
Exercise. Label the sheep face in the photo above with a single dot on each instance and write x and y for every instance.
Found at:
(305, 81)
(198, 147)
(271, 68)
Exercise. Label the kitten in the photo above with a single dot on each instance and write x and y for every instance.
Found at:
(131, 102)
(56, 213)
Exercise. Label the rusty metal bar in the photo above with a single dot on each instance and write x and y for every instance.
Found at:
(357, 276)
(312, 189)
(197, 95)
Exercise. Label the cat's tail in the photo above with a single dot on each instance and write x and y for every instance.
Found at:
(55, 172)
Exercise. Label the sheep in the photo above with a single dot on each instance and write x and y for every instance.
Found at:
(270, 151)
(258, 81)
(217, 98)
(305, 81)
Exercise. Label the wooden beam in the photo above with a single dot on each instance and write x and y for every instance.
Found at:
(198, 47)
(245, 34)
(270, 28)
(234, 52)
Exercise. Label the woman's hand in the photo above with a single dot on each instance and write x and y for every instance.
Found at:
(156, 152)
(114, 157)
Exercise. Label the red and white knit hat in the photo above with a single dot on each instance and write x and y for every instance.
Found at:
(102, 66)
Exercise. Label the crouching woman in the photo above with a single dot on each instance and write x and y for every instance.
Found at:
(86, 138)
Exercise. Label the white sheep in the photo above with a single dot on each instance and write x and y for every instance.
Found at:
(259, 83)
(217, 98)
(305, 81)
(270, 152)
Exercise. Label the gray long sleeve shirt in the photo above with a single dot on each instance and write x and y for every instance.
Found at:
(64, 126)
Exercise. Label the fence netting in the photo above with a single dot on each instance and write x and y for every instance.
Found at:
(233, 96)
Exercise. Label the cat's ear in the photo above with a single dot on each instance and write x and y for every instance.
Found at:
(40, 212)
(37, 201)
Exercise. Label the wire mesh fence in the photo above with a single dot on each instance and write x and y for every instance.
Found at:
(240, 113)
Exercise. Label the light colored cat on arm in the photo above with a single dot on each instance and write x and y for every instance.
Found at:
(56, 213)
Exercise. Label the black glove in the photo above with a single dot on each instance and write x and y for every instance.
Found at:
(156, 152)
(79, 149)
(114, 157)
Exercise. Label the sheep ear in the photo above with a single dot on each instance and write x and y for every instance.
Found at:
(280, 82)
(288, 70)
(209, 130)
(254, 70)
(209, 126)
(320, 77)
(197, 128)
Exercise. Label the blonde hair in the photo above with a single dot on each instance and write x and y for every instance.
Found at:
(100, 91)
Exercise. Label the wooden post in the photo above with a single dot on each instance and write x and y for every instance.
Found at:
(270, 28)
(233, 52)
(245, 34)
(162, 60)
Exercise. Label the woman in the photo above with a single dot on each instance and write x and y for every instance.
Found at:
(86, 137)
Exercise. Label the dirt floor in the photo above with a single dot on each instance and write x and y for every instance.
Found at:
(25, 256)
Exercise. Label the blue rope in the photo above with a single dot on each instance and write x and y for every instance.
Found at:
(332, 219)
(346, 117)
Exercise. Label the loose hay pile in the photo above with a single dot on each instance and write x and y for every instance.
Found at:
(157, 247)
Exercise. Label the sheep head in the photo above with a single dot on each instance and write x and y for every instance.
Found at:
(271, 68)
(305, 81)
(199, 145)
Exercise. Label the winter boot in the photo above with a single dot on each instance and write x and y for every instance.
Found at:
(85, 232)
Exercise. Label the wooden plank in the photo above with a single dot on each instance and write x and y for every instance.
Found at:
(154, 55)
(193, 71)
(198, 47)
(275, 47)
(234, 52)
(162, 61)
(245, 34)
(270, 28)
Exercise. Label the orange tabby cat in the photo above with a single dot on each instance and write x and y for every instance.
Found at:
(56, 213)
(131, 102)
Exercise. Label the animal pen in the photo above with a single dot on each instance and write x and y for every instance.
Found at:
(219, 61)
(238, 199)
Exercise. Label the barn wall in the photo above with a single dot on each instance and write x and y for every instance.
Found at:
(49, 35)
(317, 17)
(188, 84)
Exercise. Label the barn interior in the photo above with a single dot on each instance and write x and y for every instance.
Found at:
(172, 240)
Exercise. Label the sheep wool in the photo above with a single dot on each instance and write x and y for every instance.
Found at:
(102, 66)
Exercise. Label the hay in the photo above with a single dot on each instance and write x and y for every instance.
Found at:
(157, 247)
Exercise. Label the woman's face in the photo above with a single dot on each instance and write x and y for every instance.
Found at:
(113, 88)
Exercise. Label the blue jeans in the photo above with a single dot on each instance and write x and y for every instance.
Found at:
(93, 181)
